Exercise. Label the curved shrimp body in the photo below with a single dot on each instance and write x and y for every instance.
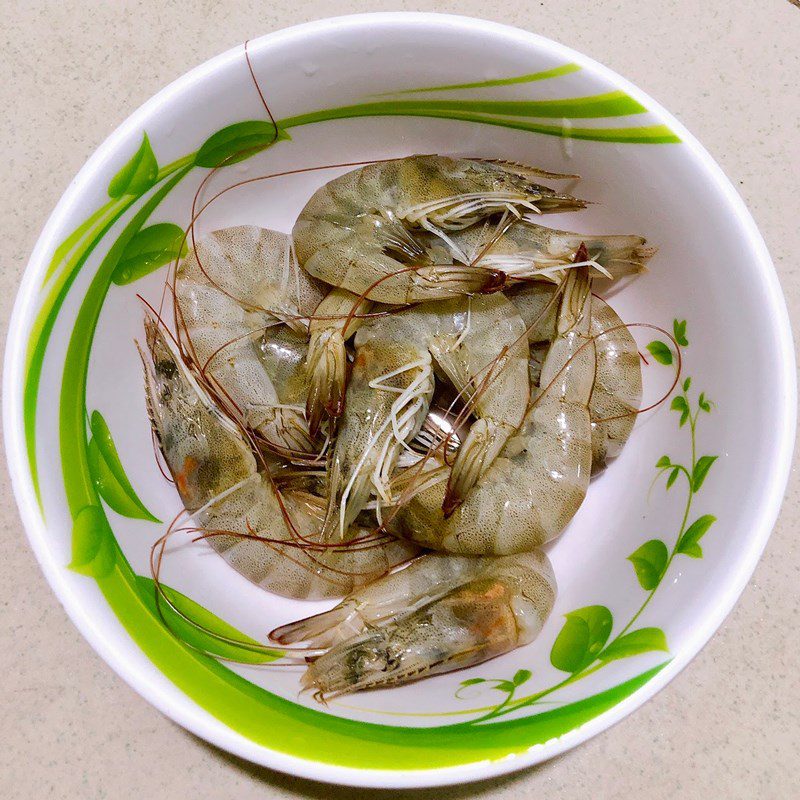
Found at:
(338, 316)
(232, 293)
(357, 231)
(479, 343)
(217, 477)
(533, 489)
(526, 250)
(439, 614)
(617, 391)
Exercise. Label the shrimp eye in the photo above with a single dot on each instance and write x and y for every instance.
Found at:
(167, 368)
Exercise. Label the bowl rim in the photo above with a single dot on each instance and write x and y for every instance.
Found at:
(182, 710)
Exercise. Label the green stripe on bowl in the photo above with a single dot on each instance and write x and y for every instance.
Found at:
(555, 72)
(648, 134)
(611, 104)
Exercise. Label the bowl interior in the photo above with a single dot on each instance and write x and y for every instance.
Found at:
(642, 176)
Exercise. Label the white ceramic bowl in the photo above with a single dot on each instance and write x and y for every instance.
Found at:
(693, 547)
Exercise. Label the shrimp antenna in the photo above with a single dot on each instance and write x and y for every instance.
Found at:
(276, 131)
(678, 367)
(161, 596)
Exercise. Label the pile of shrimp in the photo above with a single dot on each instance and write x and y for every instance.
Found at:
(398, 404)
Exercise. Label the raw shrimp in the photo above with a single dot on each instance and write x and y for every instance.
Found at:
(217, 477)
(533, 489)
(478, 342)
(327, 357)
(617, 390)
(357, 231)
(525, 250)
(438, 614)
(232, 294)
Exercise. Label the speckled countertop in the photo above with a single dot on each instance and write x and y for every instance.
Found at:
(729, 726)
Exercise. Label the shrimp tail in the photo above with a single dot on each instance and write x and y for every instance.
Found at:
(346, 498)
(482, 445)
(577, 286)
(337, 317)
(327, 373)
(287, 434)
(321, 630)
